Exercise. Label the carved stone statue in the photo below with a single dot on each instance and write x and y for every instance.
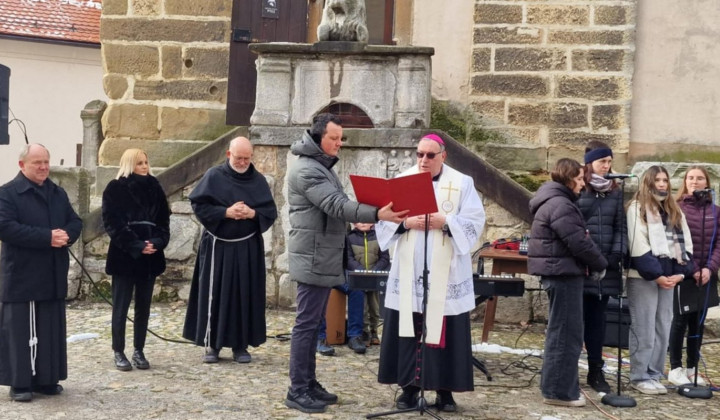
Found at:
(393, 164)
(407, 161)
(343, 20)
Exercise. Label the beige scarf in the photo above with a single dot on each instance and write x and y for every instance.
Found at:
(448, 200)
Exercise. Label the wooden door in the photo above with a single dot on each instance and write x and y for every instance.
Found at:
(257, 21)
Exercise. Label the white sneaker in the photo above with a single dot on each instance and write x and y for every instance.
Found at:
(659, 387)
(678, 376)
(580, 402)
(646, 387)
(691, 378)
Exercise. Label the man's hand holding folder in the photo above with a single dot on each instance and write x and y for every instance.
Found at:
(413, 193)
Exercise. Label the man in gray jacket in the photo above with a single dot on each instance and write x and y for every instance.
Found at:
(319, 213)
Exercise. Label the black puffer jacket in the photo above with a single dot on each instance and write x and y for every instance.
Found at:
(135, 210)
(605, 220)
(559, 244)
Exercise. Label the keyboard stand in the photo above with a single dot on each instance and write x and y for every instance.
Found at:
(479, 363)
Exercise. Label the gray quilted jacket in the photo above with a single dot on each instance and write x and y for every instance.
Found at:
(319, 214)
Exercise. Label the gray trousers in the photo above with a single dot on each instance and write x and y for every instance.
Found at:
(311, 304)
(651, 316)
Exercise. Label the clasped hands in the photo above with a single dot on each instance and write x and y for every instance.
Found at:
(669, 282)
(59, 238)
(436, 221)
(149, 248)
(239, 211)
(702, 277)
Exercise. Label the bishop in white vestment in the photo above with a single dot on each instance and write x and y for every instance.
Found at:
(453, 232)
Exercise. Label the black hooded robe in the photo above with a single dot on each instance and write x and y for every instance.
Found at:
(238, 283)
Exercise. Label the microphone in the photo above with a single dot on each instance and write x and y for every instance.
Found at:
(619, 176)
(702, 193)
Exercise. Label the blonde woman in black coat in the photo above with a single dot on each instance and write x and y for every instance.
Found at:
(137, 217)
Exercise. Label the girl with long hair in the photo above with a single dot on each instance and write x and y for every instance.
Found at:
(701, 214)
(660, 257)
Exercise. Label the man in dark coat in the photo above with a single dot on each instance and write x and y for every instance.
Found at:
(37, 224)
(235, 206)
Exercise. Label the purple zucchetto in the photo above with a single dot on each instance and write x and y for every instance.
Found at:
(435, 138)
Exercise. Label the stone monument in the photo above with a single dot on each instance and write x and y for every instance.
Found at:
(343, 20)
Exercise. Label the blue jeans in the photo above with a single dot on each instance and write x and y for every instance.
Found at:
(356, 306)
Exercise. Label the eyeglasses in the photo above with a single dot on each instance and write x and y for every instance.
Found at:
(430, 155)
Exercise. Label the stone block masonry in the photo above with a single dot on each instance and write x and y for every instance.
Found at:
(557, 72)
(166, 64)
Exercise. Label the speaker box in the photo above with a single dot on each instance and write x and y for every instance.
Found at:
(4, 103)
(335, 317)
(613, 321)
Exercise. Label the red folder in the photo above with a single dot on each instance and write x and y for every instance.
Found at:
(413, 192)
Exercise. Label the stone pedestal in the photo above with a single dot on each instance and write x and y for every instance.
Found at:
(296, 81)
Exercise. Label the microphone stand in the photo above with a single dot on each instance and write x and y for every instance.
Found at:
(421, 405)
(618, 400)
(693, 390)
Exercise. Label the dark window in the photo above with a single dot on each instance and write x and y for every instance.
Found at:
(352, 116)
(380, 21)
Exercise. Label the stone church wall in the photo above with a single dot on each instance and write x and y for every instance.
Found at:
(552, 76)
(166, 67)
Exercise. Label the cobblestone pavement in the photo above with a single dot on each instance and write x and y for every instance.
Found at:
(179, 386)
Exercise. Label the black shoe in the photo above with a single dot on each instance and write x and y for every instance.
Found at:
(304, 401)
(139, 360)
(21, 394)
(356, 344)
(408, 398)
(211, 356)
(320, 393)
(56, 389)
(121, 362)
(596, 379)
(241, 356)
(445, 402)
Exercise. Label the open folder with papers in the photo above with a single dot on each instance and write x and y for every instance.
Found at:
(412, 192)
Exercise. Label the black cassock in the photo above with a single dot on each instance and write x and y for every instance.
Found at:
(51, 359)
(448, 369)
(238, 283)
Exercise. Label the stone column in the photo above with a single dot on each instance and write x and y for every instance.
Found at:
(413, 93)
(92, 133)
(274, 84)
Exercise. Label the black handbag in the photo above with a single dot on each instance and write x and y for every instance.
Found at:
(689, 298)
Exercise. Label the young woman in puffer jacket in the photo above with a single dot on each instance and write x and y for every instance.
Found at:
(602, 208)
(702, 218)
(660, 257)
(561, 252)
